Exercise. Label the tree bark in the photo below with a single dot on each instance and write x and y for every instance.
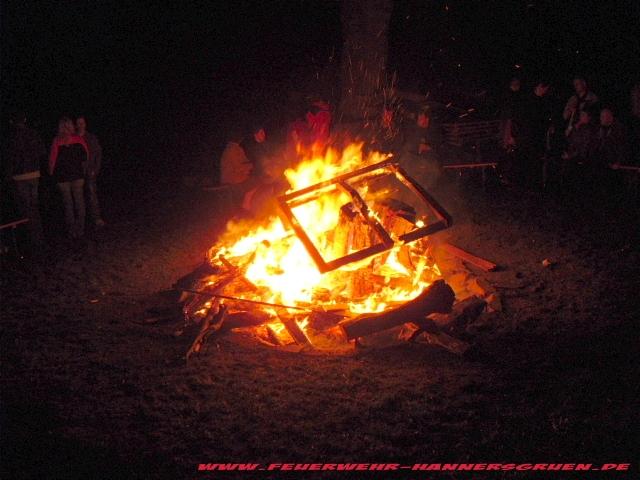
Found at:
(365, 24)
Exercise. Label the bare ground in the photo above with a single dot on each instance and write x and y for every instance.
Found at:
(90, 392)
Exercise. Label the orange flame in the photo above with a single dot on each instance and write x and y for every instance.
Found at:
(283, 271)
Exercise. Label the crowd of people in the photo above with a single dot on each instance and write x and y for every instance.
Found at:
(252, 165)
(572, 147)
(543, 145)
(72, 165)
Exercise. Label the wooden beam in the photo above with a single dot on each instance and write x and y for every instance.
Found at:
(362, 207)
(481, 263)
(295, 331)
(631, 168)
(417, 189)
(284, 201)
(471, 165)
(211, 323)
(14, 224)
(335, 180)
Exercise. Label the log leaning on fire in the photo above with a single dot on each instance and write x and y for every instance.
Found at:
(211, 323)
(438, 298)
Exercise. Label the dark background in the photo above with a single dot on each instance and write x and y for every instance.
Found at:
(161, 83)
(89, 389)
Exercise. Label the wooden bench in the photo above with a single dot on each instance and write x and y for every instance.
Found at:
(634, 181)
(471, 133)
(13, 225)
(468, 136)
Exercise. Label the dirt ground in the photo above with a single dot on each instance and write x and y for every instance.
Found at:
(90, 392)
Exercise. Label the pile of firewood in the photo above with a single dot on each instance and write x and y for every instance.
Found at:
(218, 296)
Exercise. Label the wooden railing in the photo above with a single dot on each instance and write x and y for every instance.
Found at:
(473, 133)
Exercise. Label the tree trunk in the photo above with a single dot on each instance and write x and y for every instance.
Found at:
(364, 55)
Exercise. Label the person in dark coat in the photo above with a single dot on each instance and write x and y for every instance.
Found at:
(421, 151)
(582, 100)
(613, 142)
(576, 164)
(635, 124)
(93, 170)
(526, 133)
(24, 156)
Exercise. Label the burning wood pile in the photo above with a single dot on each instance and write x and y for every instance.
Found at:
(349, 255)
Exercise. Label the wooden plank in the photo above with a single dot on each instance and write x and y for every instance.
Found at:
(302, 235)
(14, 224)
(471, 165)
(211, 323)
(474, 136)
(353, 257)
(362, 207)
(467, 131)
(216, 188)
(335, 180)
(485, 265)
(295, 331)
(631, 168)
(417, 189)
(284, 201)
(470, 131)
(424, 231)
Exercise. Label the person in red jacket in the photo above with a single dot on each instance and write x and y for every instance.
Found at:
(311, 134)
(67, 164)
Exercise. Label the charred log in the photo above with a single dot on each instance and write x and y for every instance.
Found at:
(438, 298)
(462, 314)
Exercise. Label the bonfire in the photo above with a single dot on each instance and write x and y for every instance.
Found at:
(348, 255)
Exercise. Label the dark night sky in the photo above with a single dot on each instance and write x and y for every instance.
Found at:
(155, 76)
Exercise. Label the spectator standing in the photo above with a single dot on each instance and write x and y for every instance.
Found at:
(318, 117)
(613, 143)
(422, 148)
(583, 140)
(424, 137)
(67, 163)
(92, 170)
(387, 134)
(635, 122)
(540, 116)
(24, 155)
(509, 107)
(583, 99)
(311, 134)
(525, 135)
